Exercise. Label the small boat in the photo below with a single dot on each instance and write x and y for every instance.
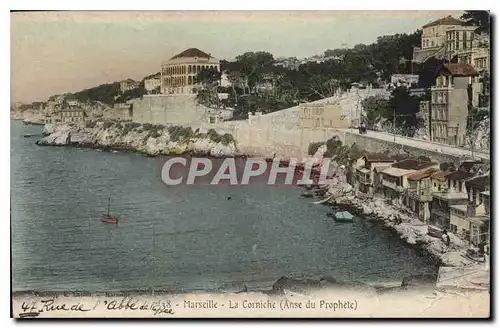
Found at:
(324, 201)
(28, 135)
(107, 218)
(343, 216)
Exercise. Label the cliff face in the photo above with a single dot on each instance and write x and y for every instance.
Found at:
(147, 138)
(483, 136)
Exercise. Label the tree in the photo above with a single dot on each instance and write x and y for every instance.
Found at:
(251, 66)
(479, 17)
(324, 88)
(104, 93)
(209, 79)
(375, 107)
(403, 110)
(131, 94)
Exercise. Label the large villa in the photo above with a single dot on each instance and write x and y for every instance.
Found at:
(178, 75)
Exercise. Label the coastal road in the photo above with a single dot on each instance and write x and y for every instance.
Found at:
(423, 144)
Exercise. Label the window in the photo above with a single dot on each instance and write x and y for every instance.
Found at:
(432, 43)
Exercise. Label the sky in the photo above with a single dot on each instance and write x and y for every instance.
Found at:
(58, 52)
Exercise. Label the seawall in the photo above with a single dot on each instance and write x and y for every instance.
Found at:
(267, 139)
(174, 109)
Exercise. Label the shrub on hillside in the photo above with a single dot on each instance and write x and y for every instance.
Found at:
(179, 133)
(225, 139)
(313, 147)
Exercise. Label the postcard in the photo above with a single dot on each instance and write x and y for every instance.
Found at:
(250, 164)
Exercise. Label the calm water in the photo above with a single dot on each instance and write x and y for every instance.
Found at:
(188, 238)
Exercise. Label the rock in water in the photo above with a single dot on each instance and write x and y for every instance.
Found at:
(234, 287)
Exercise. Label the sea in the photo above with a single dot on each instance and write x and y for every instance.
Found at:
(182, 238)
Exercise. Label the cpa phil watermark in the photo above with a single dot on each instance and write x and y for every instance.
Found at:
(180, 170)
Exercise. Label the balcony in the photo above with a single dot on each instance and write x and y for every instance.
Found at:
(363, 176)
(421, 198)
(392, 185)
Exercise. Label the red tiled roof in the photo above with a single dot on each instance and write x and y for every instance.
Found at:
(459, 175)
(441, 174)
(418, 176)
(460, 69)
(421, 174)
(449, 20)
(192, 52)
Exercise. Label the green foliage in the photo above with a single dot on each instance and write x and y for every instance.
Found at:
(225, 139)
(209, 79)
(212, 134)
(334, 149)
(208, 76)
(313, 147)
(129, 127)
(333, 146)
(406, 108)
(375, 108)
(480, 17)
(315, 80)
(105, 93)
(154, 130)
(131, 94)
(401, 107)
(180, 133)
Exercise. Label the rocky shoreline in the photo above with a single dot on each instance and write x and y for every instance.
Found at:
(151, 140)
(411, 230)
